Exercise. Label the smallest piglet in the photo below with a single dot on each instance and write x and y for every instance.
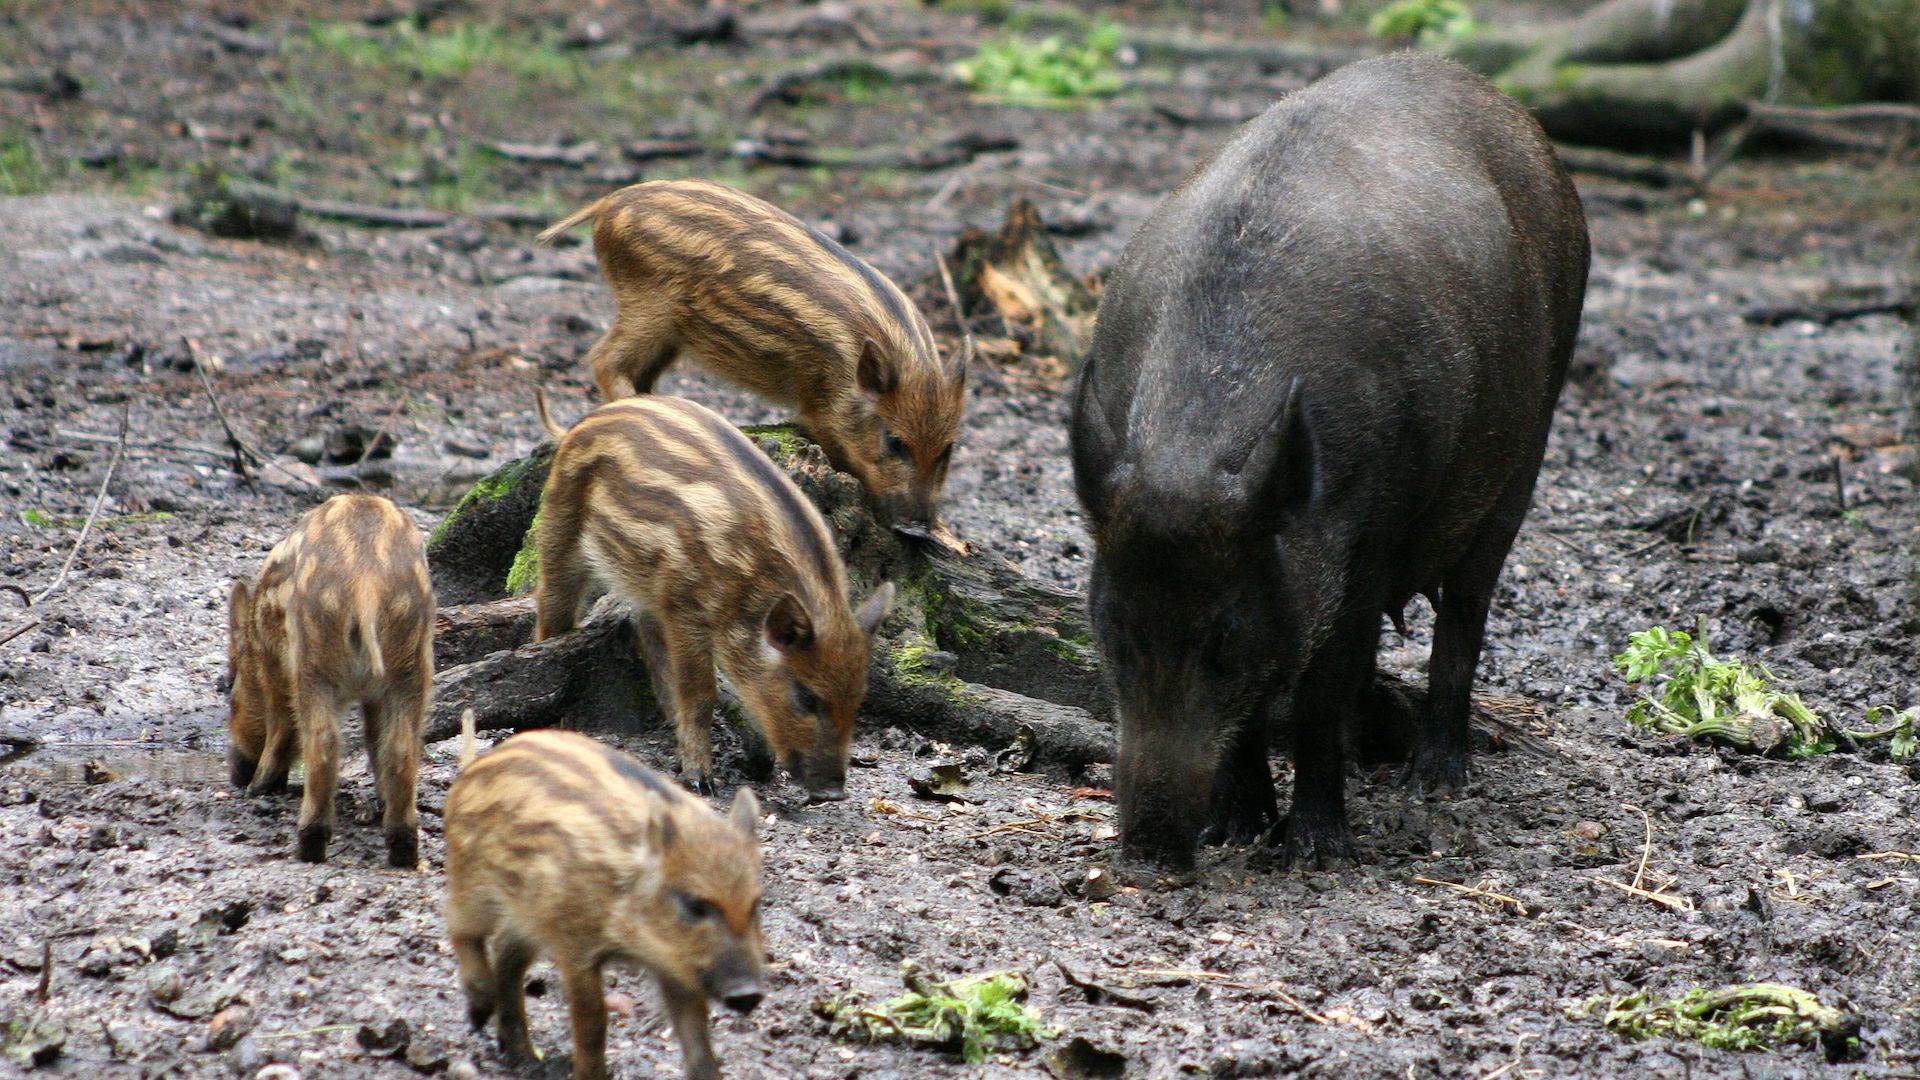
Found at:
(341, 614)
(557, 843)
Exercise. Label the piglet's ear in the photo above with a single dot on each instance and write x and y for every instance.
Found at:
(745, 812)
(240, 605)
(789, 627)
(875, 375)
(874, 610)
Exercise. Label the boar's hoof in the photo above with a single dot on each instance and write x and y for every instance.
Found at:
(1434, 774)
(742, 1002)
(700, 784)
(403, 849)
(1325, 847)
(834, 792)
(313, 843)
(240, 768)
(478, 1015)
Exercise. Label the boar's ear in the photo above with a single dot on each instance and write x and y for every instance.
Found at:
(1279, 463)
(745, 811)
(875, 375)
(789, 627)
(239, 601)
(962, 360)
(874, 610)
(1094, 444)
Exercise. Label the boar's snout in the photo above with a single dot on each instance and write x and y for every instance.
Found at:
(734, 983)
(742, 1001)
(823, 773)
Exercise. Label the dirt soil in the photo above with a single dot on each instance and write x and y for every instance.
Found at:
(1702, 465)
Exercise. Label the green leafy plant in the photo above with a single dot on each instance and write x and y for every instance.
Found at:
(21, 170)
(1902, 741)
(1045, 72)
(973, 1015)
(1425, 21)
(1751, 1016)
(1707, 697)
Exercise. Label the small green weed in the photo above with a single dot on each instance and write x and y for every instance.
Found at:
(1752, 1016)
(974, 1015)
(1018, 71)
(1424, 21)
(448, 52)
(21, 170)
(1705, 697)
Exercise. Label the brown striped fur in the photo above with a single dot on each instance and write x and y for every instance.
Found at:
(340, 614)
(557, 843)
(724, 563)
(771, 304)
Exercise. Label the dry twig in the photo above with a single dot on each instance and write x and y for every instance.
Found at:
(1478, 891)
(1658, 895)
(99, 500)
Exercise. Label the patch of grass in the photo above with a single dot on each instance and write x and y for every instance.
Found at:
(1752, 1016)
(1425, 21)
(448, 52)
(785, 436)
(973, 1015)
(1707, 697)
(39, 519)
(36, 519)
(22, 172)
(1048, 72)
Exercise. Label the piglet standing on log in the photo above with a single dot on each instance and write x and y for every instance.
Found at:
(558, 843)
(770, 303)
(723, 562)
(342, 613)
(1320, 384)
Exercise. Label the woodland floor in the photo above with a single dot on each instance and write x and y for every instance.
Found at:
(1698, 468)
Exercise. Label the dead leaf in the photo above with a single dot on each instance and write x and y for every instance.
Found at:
(943, 782)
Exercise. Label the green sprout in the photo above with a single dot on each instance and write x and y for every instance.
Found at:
(1751, 1016)
(1425, 21)
(1706, 697)
(974, 1014)
(1045, 72)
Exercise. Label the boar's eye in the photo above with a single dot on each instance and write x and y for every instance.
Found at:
(693, 909)
(805, 701)
(897, 447)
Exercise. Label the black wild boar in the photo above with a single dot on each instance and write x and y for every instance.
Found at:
(557, 843)
(724, 563)
(1320, 384)
(340, 614)
(766, 301)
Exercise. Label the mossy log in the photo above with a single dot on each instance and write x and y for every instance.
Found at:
(1010, 653)
(1651, 72)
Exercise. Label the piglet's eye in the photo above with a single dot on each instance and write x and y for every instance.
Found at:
(805, 701)
(693, 909)
(897, 447)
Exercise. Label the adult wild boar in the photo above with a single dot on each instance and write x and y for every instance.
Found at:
(1321, 383)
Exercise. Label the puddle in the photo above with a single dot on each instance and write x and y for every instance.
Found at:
(101, 762)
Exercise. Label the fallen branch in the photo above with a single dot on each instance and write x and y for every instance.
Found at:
(243, 452)
(30, 624)
(948, 153)
(1478, 891)
(1826, 314)
(418, 217)
(99, 499)
(786, 85)
(546, 153)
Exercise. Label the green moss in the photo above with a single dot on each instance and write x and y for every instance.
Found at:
(525, 570)
(786, 436)
(496, 485)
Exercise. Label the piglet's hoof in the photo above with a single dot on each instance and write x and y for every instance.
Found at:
(403, 849)
(313, 843)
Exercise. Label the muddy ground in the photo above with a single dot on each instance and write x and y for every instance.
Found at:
(1702, 465)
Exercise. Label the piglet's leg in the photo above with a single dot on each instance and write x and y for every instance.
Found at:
(587, 1007)
(468, 931)
(687, 1011)
(393, 731)
(320, 746)
(511, 958)
(685, 666)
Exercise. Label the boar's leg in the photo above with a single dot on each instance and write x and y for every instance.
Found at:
(587, 1013)
(393, 738)
(637, 348)
(1245, 804)
(1441, 748)
(687, 1011)
(276, 750)
(511, 958)
(320, 747)
(1324, 706)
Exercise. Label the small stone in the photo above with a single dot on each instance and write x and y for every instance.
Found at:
(279, 1071)
(309, 449)
(228, 1027)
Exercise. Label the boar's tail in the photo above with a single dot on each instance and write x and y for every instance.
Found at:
(466, 737)
(586, 213)
(546, 421)
(367, 619)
